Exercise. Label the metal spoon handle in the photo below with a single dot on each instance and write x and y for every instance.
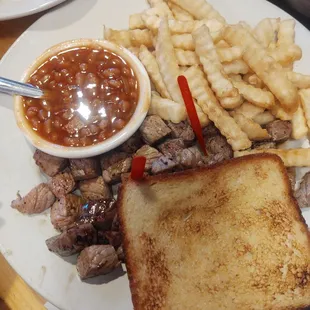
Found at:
(16, 88)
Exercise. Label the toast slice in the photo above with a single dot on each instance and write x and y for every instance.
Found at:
(226, 237)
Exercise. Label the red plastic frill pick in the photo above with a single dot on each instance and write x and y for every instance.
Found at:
(137, 168)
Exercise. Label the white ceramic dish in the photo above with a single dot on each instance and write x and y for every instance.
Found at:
(22, 237)
(114, 141)
(10, 9)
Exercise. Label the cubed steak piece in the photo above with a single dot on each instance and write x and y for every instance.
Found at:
(191, 157)
(73, 240)
(66, 211)
(218, 150)
(100, 213)
(113, 238)
(37, 200)
(182, 130)
(114, 172)
(132, 144)
(210, 131)
(280, 131)
(94, 189)
(97, 260)
(111, 158)
(154, 129)
(150, 153)
(302, 194)
(163, 164)
(50, 165)
(85, 168)
(62, 184)
(172, 147)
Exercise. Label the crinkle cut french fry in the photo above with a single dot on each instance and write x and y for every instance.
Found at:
(249, 110)
(230, 53)
(305, 103)
(162, 7)
(235, 77)
(167, 62)
(299, 124)
(136, 21)
(183, 41)
(264, 118)
(203, 117)
(186, 58)
(231, 102)
(253, 79)
(286, 34)
(167, 109)
(151, 66)
(236, 67)
(290, 157)
(200, 9)
(222, 44)
(299, 80)
(177, 27)
(179, 13)
(279, 113)
(212, 66)
(285, 55)
(253, 130)
(264, 32)
(129, 38)
(257, 96)
(209, 104)
(267, 69)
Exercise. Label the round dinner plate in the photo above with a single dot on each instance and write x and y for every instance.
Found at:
(10, 9)
(22, 238)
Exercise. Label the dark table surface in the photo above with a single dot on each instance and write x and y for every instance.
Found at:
(283, 5)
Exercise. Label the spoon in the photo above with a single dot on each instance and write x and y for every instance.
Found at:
(16, 88)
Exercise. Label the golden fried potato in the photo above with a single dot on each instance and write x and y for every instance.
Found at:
(167, 109)
(200, 9)
(253, 130)
(286, 55)
(136, 21)
(209, 104)
(183, 41)
(237, 66)
(305, 103)
(263, 118)
(259, 97)
(253, 79)
(290, 157)
(286, 34)
(179, 13)
(280, 113)
(128, 38)
(298, 79)
(266, 31)
(299, 124)
(151, 66)
(266, 68)
(229, 54)
(186, 58)
(167, 61)
(249, 110)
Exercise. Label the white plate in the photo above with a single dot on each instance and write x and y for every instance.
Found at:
(10, 9)
(22, 237)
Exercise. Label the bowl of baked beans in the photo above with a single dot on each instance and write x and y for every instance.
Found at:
(96, 95)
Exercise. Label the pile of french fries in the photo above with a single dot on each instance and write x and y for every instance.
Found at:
(241, 78)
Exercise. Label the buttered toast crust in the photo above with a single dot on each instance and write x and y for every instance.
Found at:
(230, 236)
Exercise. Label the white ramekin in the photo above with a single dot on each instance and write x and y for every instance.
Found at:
(112, 142)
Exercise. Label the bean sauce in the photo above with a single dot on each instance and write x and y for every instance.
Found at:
(93, 94)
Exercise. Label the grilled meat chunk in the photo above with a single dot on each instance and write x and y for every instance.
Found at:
(154, 129)
(218, 150)
(97, 260)
(50, 165)
(94, 189)
(73, 240)
(191, 157)
(172, 147)
(280, 131)
(37, 200)
(302, 194)
(151, 155)
(85, 168)
(182, 130)
(62, 184)
(163, 164)
(114, 172)
(66, 211)
(132, 144)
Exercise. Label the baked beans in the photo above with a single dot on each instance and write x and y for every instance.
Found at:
(92, 94)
